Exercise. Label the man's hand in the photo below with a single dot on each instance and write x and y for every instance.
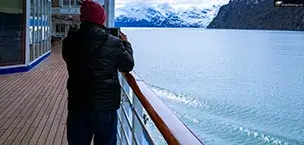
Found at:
(123, 36)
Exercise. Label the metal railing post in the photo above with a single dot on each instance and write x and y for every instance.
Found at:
(120, 77)
(123, 130)
(120, 130)
(136, 127)
(110, 9)
(34, 34)
(38, 30)
(60, 3)
(50, 24)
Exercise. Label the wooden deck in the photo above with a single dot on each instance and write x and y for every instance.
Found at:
(33, 104)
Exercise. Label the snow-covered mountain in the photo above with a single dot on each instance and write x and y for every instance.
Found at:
(165, 15)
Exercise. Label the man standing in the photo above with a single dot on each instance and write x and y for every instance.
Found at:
(93, 58)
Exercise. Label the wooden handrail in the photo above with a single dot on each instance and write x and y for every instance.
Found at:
(170, 126)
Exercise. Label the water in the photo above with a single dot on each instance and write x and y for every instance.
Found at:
(231, 87)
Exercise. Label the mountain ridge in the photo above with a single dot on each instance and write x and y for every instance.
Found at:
(258, 14)
(164, 15)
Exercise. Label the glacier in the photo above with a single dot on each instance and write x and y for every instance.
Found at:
(141, 14)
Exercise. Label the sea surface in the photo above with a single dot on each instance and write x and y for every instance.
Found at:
(230, 87)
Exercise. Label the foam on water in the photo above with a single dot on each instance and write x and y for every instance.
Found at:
(209, 118)
(194, 102)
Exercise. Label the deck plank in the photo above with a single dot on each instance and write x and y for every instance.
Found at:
(51, 117)
(33, 104)
(64, 137)
(56, 122)
(34, 114)
(20, 80)
(62, 125)
(24, 115)
(5, 87)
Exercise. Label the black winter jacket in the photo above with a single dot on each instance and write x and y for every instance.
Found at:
(93, 58)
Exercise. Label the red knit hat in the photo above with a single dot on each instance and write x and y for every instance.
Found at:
(92, 12)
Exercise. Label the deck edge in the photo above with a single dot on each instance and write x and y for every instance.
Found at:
(24, 68)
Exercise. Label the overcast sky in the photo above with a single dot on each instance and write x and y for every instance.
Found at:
(172, 2)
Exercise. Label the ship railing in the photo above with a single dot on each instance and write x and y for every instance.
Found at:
(143, 119)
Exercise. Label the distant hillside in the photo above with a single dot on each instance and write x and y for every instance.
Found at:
(258, 14)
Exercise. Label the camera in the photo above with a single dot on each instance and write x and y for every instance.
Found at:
(115, 31)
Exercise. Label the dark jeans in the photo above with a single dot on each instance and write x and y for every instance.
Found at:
(81, 127)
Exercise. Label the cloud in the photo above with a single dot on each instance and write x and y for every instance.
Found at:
(175, 3)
